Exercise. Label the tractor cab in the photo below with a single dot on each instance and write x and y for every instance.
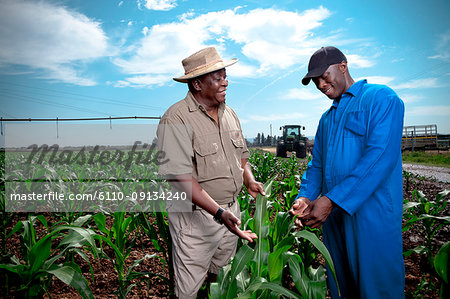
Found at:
(292, 141)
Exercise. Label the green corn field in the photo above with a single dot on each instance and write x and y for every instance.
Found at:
(123, 253)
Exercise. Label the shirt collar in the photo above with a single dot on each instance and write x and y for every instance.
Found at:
(353, 91)
(194, 105)
(191, 102)
(356, 88)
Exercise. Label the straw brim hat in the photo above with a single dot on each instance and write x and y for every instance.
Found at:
(203, 62)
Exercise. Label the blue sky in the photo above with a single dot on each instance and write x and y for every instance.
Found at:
(117, 58)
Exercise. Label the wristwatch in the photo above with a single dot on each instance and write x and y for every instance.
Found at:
(218, 216)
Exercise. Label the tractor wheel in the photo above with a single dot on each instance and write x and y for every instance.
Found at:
(300, 150)
(281, 151)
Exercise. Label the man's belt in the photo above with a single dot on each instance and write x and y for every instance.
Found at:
(227, 205)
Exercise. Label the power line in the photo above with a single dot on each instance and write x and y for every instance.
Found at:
(32, 93)
(10, 115)
(428, 70)
(45, 102)
(108, 100)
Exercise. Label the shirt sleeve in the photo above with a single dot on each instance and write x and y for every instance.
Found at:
(311, 185)
(381, 153)
(175, 142)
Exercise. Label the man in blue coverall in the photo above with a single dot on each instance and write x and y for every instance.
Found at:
(353, 184)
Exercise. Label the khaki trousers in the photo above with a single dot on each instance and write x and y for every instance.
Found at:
(199, 245)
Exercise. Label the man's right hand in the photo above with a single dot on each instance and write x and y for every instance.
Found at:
(298, 209)
(233, 223)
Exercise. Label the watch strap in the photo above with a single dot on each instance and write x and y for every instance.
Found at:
(218, 216)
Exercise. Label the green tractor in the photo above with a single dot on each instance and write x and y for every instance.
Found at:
(292, 141)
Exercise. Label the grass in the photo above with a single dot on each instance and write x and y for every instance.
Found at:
(441, 159)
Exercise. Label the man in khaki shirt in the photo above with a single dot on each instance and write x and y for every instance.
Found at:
(206, 155)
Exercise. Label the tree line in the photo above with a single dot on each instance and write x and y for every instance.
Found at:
(261, 140)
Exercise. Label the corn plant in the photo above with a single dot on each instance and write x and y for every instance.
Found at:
(160, 236)
(31, 275)
(442, 266)
(424, 213)
(258, 272)
(121, 239)
(264, 165)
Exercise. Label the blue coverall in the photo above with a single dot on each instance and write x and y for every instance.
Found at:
(357, 164)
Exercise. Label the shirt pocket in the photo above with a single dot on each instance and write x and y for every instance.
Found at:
(355, 125)
(238, 143)
(206, 157)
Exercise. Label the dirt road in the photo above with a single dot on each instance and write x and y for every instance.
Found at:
(441, 174)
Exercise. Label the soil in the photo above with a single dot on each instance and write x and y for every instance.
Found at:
(106, 281)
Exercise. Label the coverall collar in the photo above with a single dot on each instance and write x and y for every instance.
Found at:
(353, 91)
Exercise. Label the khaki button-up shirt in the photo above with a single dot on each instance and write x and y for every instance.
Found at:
(194, 143)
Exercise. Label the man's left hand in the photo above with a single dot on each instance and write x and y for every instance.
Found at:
(317, 212)
(233, 223)
(254, 188)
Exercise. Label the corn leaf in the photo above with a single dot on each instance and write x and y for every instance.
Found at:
(231, 291)
(39, 253)
(297, 274)
(16, 228)
(409, 205)
(441, 262)
(224, 277)
(80, 221)
(100, 221)
(418, 250)
(243, 279)
(317, 286)
(262, 284)
(276, 261)
(69, 276)
(283, 225)
(322, 249)
(426, 216)
(242, 257)
(261, 228)
(214, 290)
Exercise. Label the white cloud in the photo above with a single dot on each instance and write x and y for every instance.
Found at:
(398, 60)
(50, 39)
(377, 79)
(157, 4)
(261, 34)
(302, 94)
(143, 81)
(356, 61)
(442, 47)
(241, 70)
(268, 40)
(429, 111)
(418, 83)
(145, 30)
(120, 4)
(187, 15)
(275, 117)
(411, 98)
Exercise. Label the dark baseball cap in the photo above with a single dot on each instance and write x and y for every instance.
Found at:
(321, 60)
